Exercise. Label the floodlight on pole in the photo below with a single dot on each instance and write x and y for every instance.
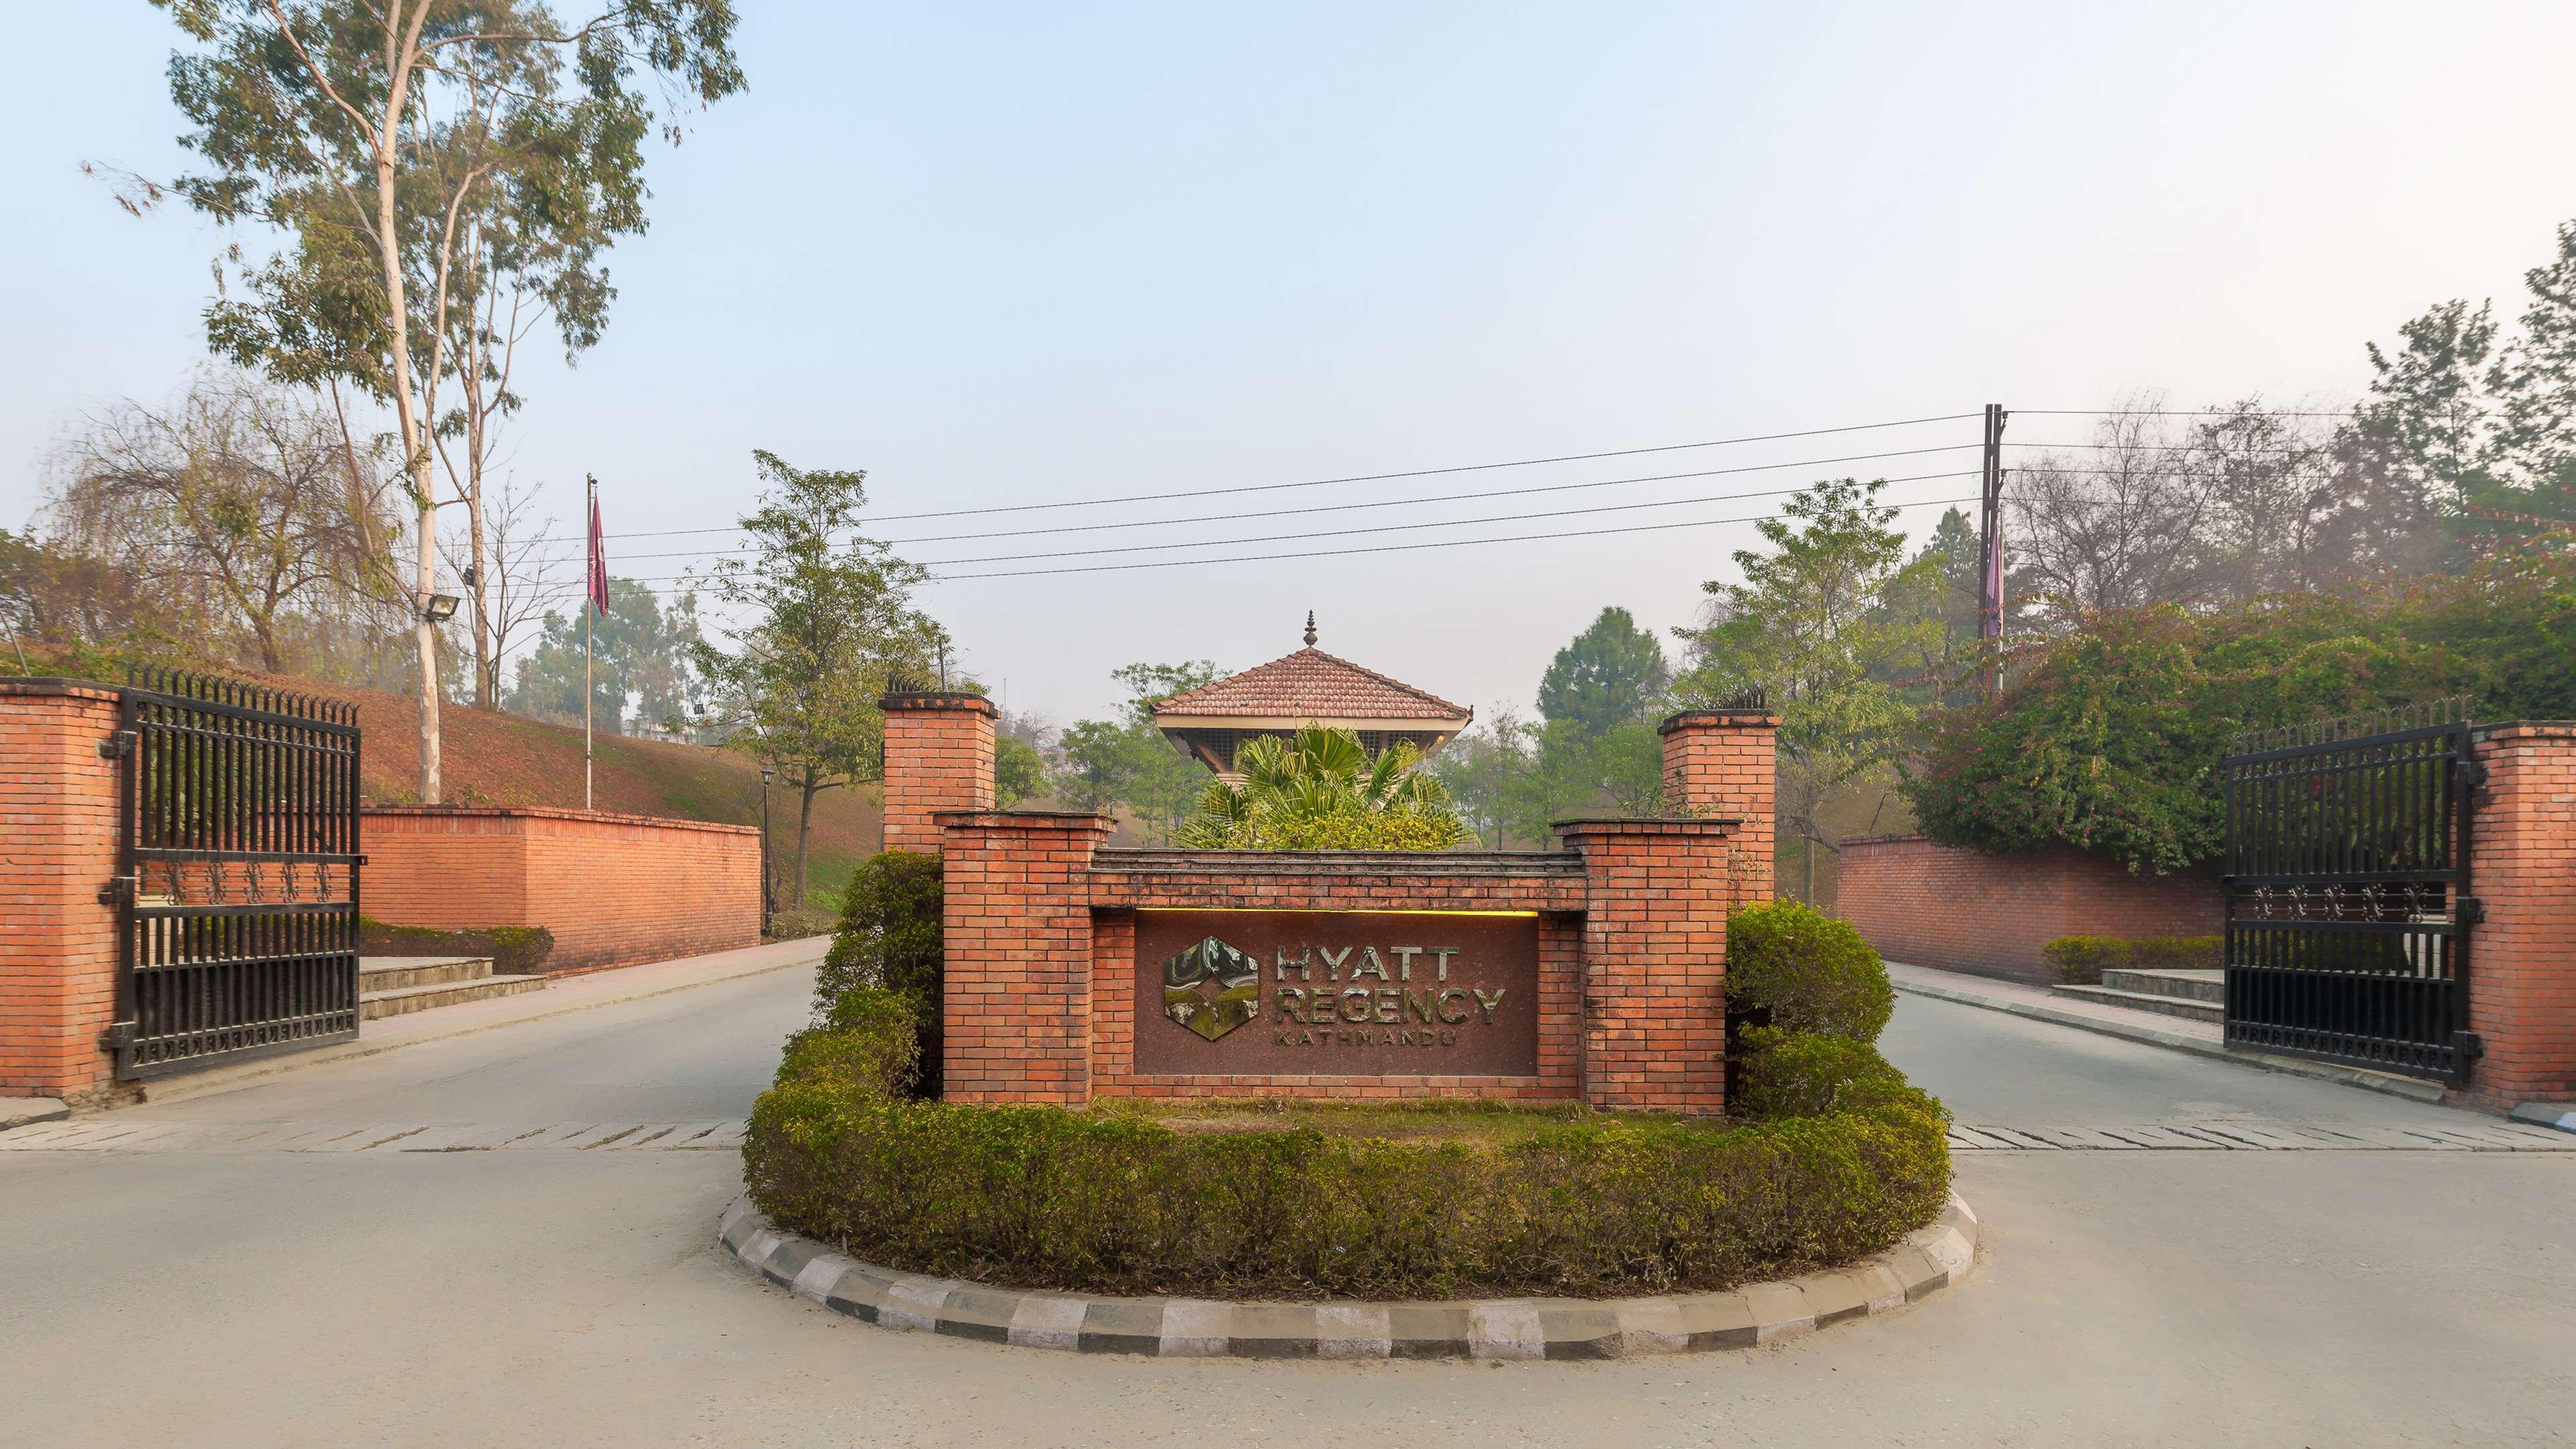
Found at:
(440, 608)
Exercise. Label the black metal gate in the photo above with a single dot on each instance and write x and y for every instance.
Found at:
(238, 881)
(2348, 905)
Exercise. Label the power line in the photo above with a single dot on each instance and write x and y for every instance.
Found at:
(1356, 477)
(2163, 413)
(1378, 548)
(1405, 527)
(1402, 547)
(2168, 448)
(1353, 507)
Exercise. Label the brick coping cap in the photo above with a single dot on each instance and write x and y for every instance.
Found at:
(1026, 819)
(1737, 718)
(937, 700)
(47, 687)
(1152, 860)
(551, 812)
(1647, 824)
(1890, 839)
(2541, 728)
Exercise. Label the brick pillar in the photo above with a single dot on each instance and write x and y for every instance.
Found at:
(1016, 999)
(1721, 763)
(2522, 959)
(938, 756)
(1654, 962)
(58, 846)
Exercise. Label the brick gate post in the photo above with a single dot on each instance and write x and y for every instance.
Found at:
(1654, 962)
(58, 847)
(2522, 959)
(1015, 999)
(1721, 762)
(938, 756)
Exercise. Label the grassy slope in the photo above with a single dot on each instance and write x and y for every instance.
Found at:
(489, 758)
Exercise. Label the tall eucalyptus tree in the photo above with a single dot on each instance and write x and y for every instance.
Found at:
(413, 156)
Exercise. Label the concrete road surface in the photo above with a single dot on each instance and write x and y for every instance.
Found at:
(507, 1238)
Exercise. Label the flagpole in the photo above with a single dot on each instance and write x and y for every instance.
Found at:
(592, 496)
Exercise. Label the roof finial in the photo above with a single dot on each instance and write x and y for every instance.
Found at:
(1310, 628)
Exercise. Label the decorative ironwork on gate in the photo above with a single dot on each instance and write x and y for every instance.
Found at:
(2348, 904)
(238, 878)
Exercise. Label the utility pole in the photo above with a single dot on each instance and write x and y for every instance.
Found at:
(1990, 552)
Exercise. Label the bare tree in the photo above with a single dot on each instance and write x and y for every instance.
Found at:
(232, 503)
(503, 559)
(2114, 527)
(2266, 481)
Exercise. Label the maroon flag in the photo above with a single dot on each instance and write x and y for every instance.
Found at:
(598, 558)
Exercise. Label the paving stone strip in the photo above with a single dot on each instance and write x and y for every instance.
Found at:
(124, 1134)
(2253, 1135)
(1531, 1328)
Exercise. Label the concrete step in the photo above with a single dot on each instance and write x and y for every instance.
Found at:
(2181, 985)
(403, 1001)
(2162, 1005)
(395, 973)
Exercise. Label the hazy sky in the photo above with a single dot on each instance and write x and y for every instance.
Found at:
(1003, 255)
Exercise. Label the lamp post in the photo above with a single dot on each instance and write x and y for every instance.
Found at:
(768, 774)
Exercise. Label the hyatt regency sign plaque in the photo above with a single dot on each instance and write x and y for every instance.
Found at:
(1336, 994)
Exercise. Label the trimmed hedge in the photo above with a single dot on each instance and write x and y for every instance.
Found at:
(1109, 1201)
(1793, 967)
(2081, 960)
(891, 937)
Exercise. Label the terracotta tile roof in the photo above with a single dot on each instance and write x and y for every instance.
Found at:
(1311, 684)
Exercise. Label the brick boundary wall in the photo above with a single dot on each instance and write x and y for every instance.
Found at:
(616, 890)
(1989, 915)
(2522, 958)
(58, 845)
(1039, 999)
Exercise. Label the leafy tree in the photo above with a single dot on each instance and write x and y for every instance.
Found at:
(642, 680)
(2426, 398)
(1126, 761)
(1320, 790)
(1815, 625)
(833, 626)
(2111, 738)
(1019, 771)
(1482, 770)
(1613, 673)
(408, 151)
(2534, 380)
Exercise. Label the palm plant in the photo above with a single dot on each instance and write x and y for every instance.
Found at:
(1320, 790)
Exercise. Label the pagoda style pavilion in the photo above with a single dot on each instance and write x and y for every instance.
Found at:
(1309, 687)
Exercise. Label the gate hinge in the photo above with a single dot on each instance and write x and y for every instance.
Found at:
(117, 1037)
(2469, 1045)
(2473, 775)
(2468, 910)
(119, 891)
(116, 746)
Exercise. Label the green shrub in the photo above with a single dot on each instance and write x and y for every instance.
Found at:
(1793, 967)
(1111, 1201)
(890, 937)
(514, 950)
(1792, 1074)
(2081, 960)
(869, 1043)
(2179, 953)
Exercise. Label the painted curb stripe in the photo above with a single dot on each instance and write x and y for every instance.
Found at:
(1927, 1261)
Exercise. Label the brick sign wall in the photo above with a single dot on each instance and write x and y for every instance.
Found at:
(1221, 993)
